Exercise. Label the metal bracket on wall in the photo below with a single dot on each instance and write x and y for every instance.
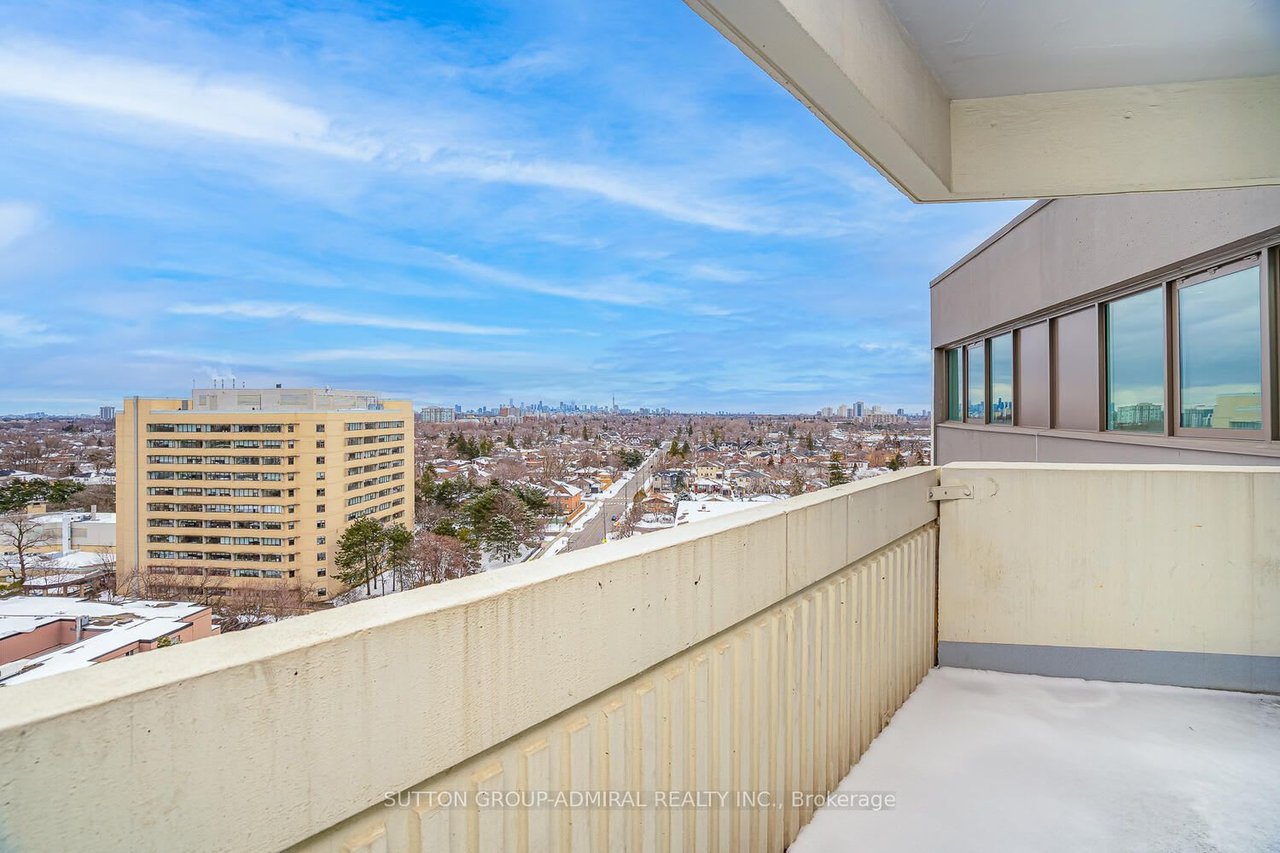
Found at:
(957, 492)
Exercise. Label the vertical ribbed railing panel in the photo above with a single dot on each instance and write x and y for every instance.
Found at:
(784, 702)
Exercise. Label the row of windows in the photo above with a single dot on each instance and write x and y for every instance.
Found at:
(361, 513)
(370, 454)
(191, 491)
(249, 508)
(215, 524)
(1197, 347)
(374, 481)
(217, 427)
(214, 573)
(267, 476)
(375, 439)
(373, 496)
(214, 540)
(377, 466)
(353, 427)
(215, 460)
(221, 556)
(215, 443)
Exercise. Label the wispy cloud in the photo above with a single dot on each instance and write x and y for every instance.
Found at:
(647, 193)
(473, 204)
(17, 220)
(18, 330)
(620, 291)
(251, 111)
(172, 96)
(256, 310)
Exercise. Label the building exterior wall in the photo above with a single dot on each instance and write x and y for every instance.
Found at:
(1048, 278)
(330, 458)
(1113, 572)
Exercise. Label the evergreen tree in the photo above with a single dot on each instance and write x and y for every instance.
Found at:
(836, 475)
(361, 553)
(17, 495)
(502, 540)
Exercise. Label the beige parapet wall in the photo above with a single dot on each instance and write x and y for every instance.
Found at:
(1163, 574)
(760, 651)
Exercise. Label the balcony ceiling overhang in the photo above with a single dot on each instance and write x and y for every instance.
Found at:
(989, 99)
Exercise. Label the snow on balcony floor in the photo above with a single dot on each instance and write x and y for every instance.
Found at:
(989, 761)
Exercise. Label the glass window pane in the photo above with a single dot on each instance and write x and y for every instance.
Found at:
(1135, 363)
(955, 397)
(1220, 352)
(977, 384)
(1002, 380)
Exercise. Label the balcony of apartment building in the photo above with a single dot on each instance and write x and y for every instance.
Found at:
(758, 655)
(1025, 655)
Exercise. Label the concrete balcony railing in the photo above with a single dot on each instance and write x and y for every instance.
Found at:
(756, 654)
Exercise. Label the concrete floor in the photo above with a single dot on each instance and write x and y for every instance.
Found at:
(988, 761)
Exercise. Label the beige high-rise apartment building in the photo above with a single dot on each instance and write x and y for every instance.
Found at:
(250, 489)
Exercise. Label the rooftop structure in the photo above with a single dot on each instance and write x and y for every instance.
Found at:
(46, 635)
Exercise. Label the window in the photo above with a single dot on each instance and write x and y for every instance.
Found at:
(1135, 362)
(319, 540)
(319, 460)
(1002, 380)
(976, 362)
(321, 556)
(1220, 351)
(319, 507)
(319, 427)
(320, 524)
(321, 573)
(319, 493)
(321, 592)
(320, 445)
(955, 397)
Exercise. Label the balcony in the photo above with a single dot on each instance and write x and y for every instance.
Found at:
(759, 654)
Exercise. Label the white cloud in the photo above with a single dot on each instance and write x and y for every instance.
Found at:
(457, 359)
(619, 292)
(644, 193)
(19, 330)
(256, 310)
(172, 96)
(245, 110)
(17, 220)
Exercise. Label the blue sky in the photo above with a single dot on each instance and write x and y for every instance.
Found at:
(456, 201)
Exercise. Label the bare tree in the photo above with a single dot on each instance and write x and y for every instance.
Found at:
(23, 536)
(509, 469)
(436, 558)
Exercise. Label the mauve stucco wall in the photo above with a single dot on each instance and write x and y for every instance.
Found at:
(1073, 247)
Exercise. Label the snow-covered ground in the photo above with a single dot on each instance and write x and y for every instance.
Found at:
(988, 761)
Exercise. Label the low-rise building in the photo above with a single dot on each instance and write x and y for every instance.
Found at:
(42, 636)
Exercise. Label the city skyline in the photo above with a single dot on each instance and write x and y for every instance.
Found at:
(212, 193)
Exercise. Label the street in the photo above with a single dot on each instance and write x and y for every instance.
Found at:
(594, 531)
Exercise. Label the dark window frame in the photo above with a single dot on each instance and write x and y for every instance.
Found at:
(1173, 379)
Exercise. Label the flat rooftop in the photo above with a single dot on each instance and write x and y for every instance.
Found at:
(987, 761)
